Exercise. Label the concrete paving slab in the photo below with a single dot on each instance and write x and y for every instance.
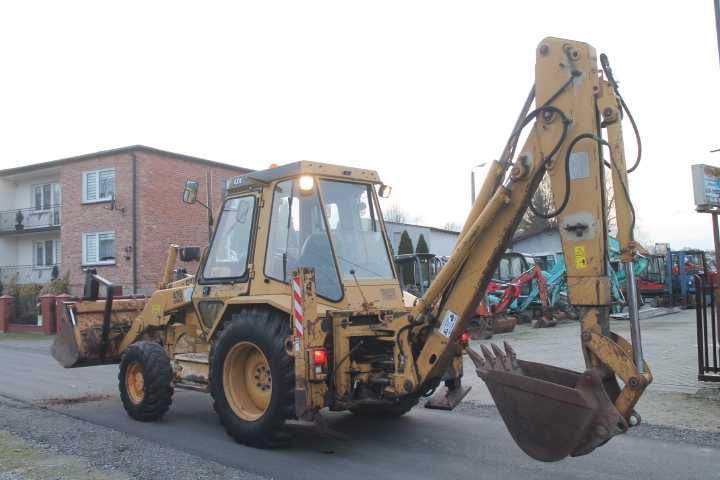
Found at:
(670, 348)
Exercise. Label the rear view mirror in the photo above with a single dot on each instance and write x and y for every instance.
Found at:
(190, 254)
(384, 191)
(191, 191)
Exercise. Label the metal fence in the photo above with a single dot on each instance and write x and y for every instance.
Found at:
(26, 309)
(708, 331)
(24, 219)
(23, 274)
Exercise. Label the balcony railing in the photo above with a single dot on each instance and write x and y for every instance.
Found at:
(29, 219)
(23, 274)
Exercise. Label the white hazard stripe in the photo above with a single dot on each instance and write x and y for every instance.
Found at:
(297, 306)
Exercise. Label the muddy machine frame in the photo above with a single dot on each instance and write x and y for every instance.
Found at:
(369, 353)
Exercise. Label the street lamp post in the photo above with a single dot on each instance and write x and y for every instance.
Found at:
(472, 182)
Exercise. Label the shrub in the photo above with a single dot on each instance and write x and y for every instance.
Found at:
(422, 246)
(58, 285)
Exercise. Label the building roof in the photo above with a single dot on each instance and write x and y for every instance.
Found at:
(436, 229)
(525, 234)
(116, 151)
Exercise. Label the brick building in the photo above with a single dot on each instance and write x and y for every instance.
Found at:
(115, 210)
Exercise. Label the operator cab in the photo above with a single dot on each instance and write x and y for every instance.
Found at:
(321, 216)
(332, 226)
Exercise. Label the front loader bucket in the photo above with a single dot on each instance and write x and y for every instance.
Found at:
(90, 334)
(550, 412)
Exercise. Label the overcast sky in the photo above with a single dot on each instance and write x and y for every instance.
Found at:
(420, 91)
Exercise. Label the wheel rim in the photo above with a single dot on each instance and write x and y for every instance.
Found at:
(135, 382)
(247, 381)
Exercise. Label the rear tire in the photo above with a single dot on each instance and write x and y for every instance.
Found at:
(252, 379)
(145, 381)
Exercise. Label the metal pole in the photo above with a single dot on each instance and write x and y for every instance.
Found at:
(472, 185)
(717, 22)
(634, 314)
(716, 238)
(208, 182)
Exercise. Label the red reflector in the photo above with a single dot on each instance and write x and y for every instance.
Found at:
(319, 356)
(465, 339)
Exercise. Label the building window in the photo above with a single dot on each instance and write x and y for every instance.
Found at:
(46, 252)
(46, 196)
(99, 185)
(98, 248)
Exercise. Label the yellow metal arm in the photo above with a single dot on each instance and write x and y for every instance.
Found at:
(565, 143)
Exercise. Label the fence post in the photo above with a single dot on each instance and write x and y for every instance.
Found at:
(6, 311)
(47, 310)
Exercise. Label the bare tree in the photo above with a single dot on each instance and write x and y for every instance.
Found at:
(542, 201)
(395, 214)
(452, 226)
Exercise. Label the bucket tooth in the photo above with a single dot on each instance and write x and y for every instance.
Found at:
(550, 412)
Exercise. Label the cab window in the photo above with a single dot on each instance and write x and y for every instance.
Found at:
(355, 230)
(298, 238)
(228, 256)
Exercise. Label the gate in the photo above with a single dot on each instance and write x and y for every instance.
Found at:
(26, 310)
(708, 343)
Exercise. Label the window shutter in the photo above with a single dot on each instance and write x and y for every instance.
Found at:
(91, 186)
(91, 250)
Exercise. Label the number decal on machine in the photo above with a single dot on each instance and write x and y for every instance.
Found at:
(448, 324)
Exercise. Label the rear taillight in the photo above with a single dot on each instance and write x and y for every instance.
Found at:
(319, 356)
(465, 339)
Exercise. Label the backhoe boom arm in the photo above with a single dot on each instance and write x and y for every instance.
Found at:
(575, 103)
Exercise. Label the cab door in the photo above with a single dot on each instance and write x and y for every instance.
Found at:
(226, 269)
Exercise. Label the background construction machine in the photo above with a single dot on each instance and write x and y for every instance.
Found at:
(296, 307)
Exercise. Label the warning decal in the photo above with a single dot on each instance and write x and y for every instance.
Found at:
(580, 258)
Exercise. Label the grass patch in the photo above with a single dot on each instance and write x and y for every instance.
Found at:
(19, 459)
(24, 336)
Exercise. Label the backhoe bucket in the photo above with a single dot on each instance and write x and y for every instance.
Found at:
(550, 412)
(90, 332)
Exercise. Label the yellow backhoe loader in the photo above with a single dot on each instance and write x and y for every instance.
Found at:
(296, 307)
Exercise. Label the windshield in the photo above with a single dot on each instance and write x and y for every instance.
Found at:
(352, 217)
(298, 238)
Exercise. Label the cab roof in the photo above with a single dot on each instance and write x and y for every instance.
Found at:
(304, 167)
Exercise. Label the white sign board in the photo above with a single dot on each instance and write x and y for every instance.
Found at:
(706, 187)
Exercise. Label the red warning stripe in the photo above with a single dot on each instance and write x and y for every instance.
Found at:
(297, 306)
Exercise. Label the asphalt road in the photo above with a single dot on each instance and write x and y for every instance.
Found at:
(470, 443)
(423, 445)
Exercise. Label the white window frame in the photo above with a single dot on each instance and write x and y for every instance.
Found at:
(54, 202)
(85, 236)
(56, 252)
(97, 172)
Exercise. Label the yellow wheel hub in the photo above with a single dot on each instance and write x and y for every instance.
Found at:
(247, 381)
(135, 383)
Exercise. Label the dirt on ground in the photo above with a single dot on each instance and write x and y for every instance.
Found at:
(26, 460)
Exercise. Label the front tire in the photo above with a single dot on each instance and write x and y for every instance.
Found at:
(252, 377)
(145, 381)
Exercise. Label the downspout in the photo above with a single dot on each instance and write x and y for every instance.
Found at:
(134, 224)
